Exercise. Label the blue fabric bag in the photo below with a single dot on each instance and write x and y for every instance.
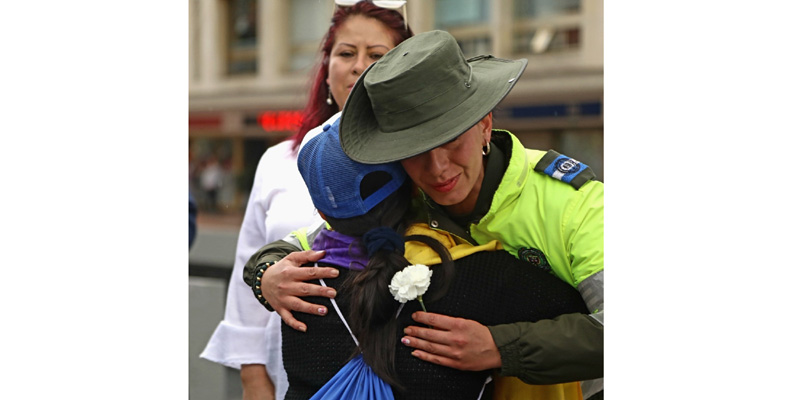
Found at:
(355, 380)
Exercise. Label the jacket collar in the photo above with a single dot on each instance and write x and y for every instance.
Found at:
(498, 169)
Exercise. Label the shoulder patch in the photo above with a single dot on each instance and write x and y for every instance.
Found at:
(565, 169)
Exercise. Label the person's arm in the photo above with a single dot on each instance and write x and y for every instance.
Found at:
(567, 348)
(452, 342)
(536, 352)
(570, 347)
(278, 282)
(564, 349)
(268, 254)
(256, 384)
(241, 337)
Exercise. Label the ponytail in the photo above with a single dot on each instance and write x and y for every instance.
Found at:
(372, 312)
(372, 306)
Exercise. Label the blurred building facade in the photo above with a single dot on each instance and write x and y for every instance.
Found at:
(250, 60)
(249, 66)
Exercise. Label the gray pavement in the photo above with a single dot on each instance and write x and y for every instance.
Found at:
(214, 249)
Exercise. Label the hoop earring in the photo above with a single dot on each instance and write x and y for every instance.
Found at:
(487, 148)
(329, 100)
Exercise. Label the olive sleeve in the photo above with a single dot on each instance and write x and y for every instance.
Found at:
(270, 253)
(565, 349)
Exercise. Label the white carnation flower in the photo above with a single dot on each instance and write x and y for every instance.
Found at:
(410, 283)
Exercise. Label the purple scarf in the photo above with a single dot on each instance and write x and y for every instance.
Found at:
(341, 250)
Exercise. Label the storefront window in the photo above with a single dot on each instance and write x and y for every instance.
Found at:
(546, 26)
(468, 22)
(549, 39)
(543, 8)
(452, 13)
(310, 19)
(242, 23)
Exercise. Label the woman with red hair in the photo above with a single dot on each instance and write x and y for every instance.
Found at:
(248, 337)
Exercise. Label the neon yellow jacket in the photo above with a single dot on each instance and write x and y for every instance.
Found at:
(553, 218)
(532, 210)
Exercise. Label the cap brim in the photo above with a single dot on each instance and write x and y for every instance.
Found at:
(364, 141)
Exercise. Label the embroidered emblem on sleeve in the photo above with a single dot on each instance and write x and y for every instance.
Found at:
(535, 257)
(565, 169)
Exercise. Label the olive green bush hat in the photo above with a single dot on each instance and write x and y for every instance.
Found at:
(420, 95)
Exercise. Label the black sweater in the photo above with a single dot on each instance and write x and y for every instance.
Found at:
(490, 287)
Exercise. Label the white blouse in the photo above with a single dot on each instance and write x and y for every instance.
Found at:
(279, 204)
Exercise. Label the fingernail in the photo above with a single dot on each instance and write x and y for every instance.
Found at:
(407, 331)
(405, 341)
(332, 293)
(335, 272)
(302, 328)
(321, 310)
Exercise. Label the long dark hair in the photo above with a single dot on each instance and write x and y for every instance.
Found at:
(372, 307)
(317, 110)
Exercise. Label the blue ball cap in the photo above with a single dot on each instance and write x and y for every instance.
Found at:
(334, 180)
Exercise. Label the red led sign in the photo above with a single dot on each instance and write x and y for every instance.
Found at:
(280, 120)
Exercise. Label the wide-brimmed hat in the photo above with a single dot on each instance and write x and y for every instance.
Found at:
(335, 181)
(420, 95)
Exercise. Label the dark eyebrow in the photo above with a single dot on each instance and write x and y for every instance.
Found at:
(368, 47)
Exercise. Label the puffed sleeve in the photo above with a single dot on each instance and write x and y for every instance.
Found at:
(240, 337)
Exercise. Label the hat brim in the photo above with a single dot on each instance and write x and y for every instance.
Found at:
(363, 140)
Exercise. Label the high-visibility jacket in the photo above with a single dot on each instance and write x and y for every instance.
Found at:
(547, 210)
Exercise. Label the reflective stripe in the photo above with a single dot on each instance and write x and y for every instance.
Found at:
(302, 238)
(591, 289)
(300, 234)
(292, 239)
(598, 316)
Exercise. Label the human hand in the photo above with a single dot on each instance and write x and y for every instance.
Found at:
(452, 342)
(256, 384)
(284, 283)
